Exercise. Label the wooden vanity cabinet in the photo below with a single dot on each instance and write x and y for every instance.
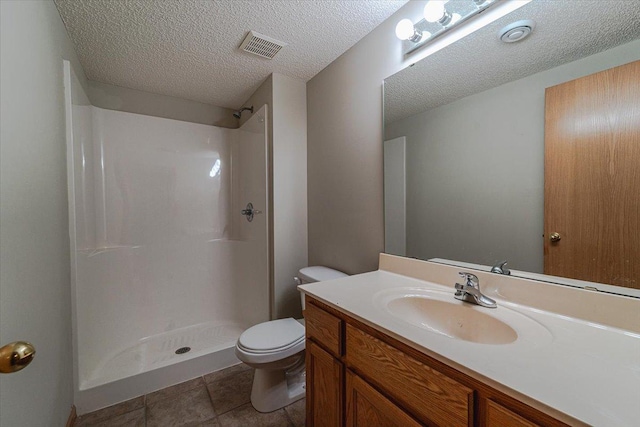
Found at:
(325, 379)
(432, 396)
(367, 407)
(499, 416)
(325, 370)
(360, 377)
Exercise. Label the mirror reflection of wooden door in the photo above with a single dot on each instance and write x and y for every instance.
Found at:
(592, 178)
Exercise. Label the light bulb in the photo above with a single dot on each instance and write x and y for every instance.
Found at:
(404, 29)
(434, 10)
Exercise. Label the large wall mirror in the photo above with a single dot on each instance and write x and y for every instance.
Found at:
(465, 156)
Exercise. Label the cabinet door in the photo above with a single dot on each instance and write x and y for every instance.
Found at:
(431, 396)
(366, 407)
(324, 328)
(499, 416)
(324, 388)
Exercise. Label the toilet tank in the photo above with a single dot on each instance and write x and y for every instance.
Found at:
(317, 274)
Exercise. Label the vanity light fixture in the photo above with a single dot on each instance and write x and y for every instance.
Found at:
(441, 16)
(435, 11)
(405, 30)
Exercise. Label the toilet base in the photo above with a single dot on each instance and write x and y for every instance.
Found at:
(275, 389)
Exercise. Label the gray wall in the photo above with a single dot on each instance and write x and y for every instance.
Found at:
(475, 169)
(151, 104)
(344, 157)
(35, 303)
(289, 191)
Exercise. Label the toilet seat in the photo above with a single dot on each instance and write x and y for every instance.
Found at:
(271, 341)
(272, 336)
(272, 350)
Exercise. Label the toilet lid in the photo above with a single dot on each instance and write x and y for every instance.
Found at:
(272, 335)
(319, 274)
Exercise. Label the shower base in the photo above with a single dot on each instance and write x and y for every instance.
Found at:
(159, 361)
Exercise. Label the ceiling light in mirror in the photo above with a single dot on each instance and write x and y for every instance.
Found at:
(446, 18)
(516, 31)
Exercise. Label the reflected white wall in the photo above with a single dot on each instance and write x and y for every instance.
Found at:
(160, 242)
(395, 196)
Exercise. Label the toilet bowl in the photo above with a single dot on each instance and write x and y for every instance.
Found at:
(275, 349)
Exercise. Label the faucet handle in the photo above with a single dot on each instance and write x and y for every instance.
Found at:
(500, 268)
(470, 279)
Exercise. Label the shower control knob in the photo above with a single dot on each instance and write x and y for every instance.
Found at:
(249, 212)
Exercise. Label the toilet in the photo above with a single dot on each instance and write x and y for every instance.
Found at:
(276, 350)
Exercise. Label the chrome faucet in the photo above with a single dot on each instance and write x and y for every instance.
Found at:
(470, 291)
(500, 268)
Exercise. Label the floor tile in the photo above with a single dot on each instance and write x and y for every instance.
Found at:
(130, 419)
(188, 408)
(225, 372)
(192, 403)
(247, 416)
(297, 412)
(231, 391)
(92, 418)
(173, 390)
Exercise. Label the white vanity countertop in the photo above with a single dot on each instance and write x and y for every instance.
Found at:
(578, 368)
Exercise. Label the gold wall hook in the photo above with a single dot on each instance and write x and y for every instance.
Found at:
(16, 356)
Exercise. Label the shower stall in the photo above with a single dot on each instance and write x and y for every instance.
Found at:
(167, 269)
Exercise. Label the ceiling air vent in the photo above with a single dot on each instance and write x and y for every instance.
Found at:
(261, 45)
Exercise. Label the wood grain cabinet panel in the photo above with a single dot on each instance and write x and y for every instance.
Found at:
(324, 328)
(358, 379)
(499, 416)
(325, 379)
(431, 396)
(366, 407)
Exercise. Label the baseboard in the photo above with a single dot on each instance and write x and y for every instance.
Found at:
(71, 421)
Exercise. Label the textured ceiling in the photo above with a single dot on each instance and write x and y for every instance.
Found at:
(189, 48)
(565, 31)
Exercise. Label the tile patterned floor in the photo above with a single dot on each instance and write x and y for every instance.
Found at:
(219, 399)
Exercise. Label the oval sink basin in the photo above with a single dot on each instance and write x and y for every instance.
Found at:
(439, 312)
(454, 319)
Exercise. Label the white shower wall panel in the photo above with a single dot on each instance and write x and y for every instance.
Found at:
(133, 293)
(161, 183)
(84, 182)
(156, 248)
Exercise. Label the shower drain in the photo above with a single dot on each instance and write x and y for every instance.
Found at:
(183, 350)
